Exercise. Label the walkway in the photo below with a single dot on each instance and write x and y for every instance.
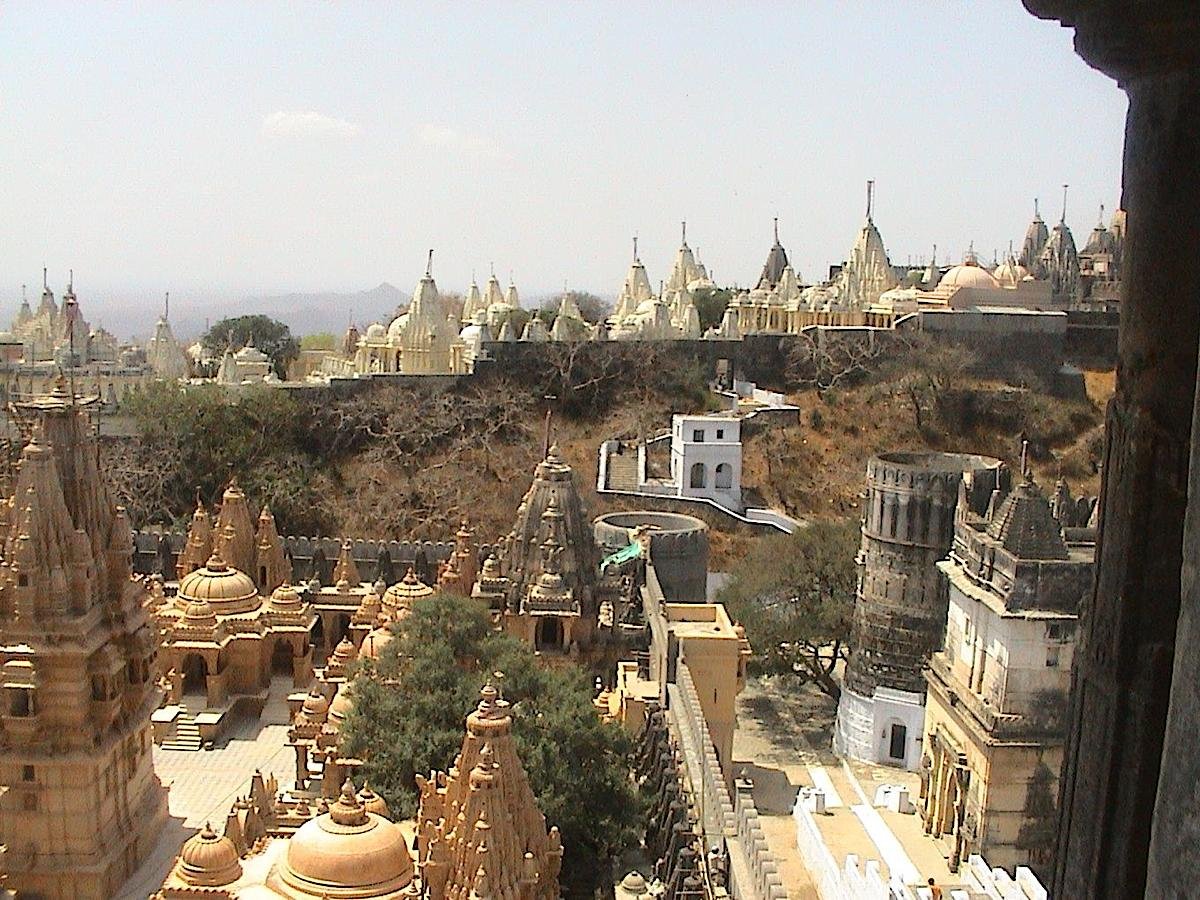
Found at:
(203, 784)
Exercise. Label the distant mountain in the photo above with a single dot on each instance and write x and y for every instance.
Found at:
(310, 313)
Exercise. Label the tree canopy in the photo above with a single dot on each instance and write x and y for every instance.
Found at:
(710, 304)
(795, 596)
(409, 712)
(269, 335)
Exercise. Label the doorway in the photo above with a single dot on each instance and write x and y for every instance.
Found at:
(898, 743)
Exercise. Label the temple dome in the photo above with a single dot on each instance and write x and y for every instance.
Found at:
(340, 707)
(348, 852)
(405, 592)
(969, 274)
(286, 598)
(316, 706)
(376, 332)
(199, 612)
(227, 589)
(373, 803)
(209, 859)
(374, 642)
(1010, 272)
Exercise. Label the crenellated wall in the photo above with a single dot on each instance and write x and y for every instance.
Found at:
(156, 552)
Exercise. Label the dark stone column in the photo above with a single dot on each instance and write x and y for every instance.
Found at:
(1121, 683)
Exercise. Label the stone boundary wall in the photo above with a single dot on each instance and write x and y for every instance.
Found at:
(156, 552)
(853, 880)
(753, 871)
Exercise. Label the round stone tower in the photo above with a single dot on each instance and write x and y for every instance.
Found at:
(678, 549)
(900, 610)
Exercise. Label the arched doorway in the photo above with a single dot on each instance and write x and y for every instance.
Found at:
(724, 476)
(281, 657)
(195, 680)
(549, 634)
(698, 477)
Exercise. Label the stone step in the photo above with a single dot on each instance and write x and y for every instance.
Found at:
(182, 744)
(622, 472)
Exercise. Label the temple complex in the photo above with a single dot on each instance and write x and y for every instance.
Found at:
(81, 806)
(424, 340)
(60, 334)
(995, 721)
(479, 833)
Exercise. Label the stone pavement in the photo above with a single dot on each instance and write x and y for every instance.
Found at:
(203, 784)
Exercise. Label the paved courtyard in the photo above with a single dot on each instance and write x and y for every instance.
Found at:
(203, 784)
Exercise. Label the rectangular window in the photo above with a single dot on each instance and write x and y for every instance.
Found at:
(1052, 657)
(698, 435)
(27, 773)
(720, 434)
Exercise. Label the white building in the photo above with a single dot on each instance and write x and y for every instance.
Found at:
(706, 458)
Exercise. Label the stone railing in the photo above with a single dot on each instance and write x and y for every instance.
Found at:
(753, 871)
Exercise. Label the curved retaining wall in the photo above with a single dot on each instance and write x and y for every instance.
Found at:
(678, 548)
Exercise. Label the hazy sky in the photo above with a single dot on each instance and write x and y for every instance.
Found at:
(264, 147)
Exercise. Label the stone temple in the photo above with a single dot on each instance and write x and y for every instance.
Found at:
(900, 611)
(82, 807)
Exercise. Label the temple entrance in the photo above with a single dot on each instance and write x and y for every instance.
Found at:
(195, 673)
(897, 742)
(318, 633)
(341, 628)
(549, 634)
(281, 658)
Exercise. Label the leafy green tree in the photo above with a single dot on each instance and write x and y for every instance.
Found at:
(795, 596)
(269, 335)
(710, 304)
(409, 710)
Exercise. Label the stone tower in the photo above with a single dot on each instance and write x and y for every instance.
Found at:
(900, 610)
(479, 830)
(82, 806)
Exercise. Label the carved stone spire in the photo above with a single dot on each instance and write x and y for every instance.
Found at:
(497, 842)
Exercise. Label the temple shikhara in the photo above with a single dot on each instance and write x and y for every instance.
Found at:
(81, 807)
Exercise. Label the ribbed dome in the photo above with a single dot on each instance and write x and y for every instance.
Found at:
(1009, 273)
(209, 859)
(376, 332)
(199, 612)
(228, 590)
(345, 652)
(348, 852)
(286, 599)
(316, 706)
(404, 593)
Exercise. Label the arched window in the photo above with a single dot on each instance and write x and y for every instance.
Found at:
(699, 477)
(723, 478)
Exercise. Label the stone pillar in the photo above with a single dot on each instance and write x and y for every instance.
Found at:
(1122, 676)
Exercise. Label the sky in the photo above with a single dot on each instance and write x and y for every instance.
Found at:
(236, 149)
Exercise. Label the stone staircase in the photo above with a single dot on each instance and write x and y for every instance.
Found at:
(187, 732)
(623, 471)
